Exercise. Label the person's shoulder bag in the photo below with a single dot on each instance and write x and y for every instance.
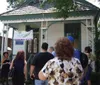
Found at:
(11, 71)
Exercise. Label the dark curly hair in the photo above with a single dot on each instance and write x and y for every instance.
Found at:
(88, 49)
(64, 49)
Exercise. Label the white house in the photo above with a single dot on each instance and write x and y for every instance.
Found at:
(47, 28)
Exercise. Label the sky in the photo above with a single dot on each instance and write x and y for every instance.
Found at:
(3, 8)
(95, 2)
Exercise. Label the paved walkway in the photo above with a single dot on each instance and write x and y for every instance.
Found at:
(28, 82)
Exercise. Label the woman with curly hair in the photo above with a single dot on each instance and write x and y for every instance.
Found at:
(63, 69)
(19, 64)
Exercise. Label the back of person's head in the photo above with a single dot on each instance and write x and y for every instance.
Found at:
(44, 46)
(5, 53)
(20, 55)
(51, 49)
(5, 56)
(88, 49)
(70, 38)
(64, 48)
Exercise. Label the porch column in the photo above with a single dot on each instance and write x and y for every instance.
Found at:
(4, 40)
(44, 36)
(89, 30)
(6, 37)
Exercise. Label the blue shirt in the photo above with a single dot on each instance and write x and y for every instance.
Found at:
(54, 53)
(77, 53)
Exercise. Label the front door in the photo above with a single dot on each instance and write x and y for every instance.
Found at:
(74, 29)
(33, 45)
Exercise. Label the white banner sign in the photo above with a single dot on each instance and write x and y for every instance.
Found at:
(23, 35)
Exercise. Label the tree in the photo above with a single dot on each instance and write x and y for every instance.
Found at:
(15, 3)
(63, 7)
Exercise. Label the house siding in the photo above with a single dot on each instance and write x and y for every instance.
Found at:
(83, 36)
(87, 37)
(54, 32)
(9, 42)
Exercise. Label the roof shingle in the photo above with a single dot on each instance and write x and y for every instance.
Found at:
(29, 9)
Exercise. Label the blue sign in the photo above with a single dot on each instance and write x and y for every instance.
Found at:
(19, 42)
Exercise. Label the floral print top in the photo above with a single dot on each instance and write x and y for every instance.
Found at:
(63, 72)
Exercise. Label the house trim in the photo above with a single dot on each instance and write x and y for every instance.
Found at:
(77, 15)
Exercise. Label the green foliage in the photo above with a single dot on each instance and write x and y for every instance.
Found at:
(15, 3)
(63, 7)
(98, 25)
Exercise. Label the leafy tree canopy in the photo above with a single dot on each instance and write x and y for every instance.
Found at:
(15, 3)
(63, 7)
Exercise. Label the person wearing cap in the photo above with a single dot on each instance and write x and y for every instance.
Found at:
(78, 54)
(76, 51)
(82, 57)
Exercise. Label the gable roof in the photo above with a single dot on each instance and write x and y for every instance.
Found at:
(36, 9)
(30, 9)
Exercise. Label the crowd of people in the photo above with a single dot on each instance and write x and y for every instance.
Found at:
(58, 65)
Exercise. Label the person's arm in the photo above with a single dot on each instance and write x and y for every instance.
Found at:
(32, 66)
(41, 76)
(11, 65)
(25, 69)
(31, 71)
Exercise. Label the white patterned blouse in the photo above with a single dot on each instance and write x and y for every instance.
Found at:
(63, 72)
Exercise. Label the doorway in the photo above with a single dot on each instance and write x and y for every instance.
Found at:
(32, 46)
(73, 29)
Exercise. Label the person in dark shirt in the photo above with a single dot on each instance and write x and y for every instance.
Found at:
(39, 60)
(19, 64)
(5, 68)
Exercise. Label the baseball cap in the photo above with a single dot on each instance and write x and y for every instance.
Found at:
(8, 48)
(70, 38)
